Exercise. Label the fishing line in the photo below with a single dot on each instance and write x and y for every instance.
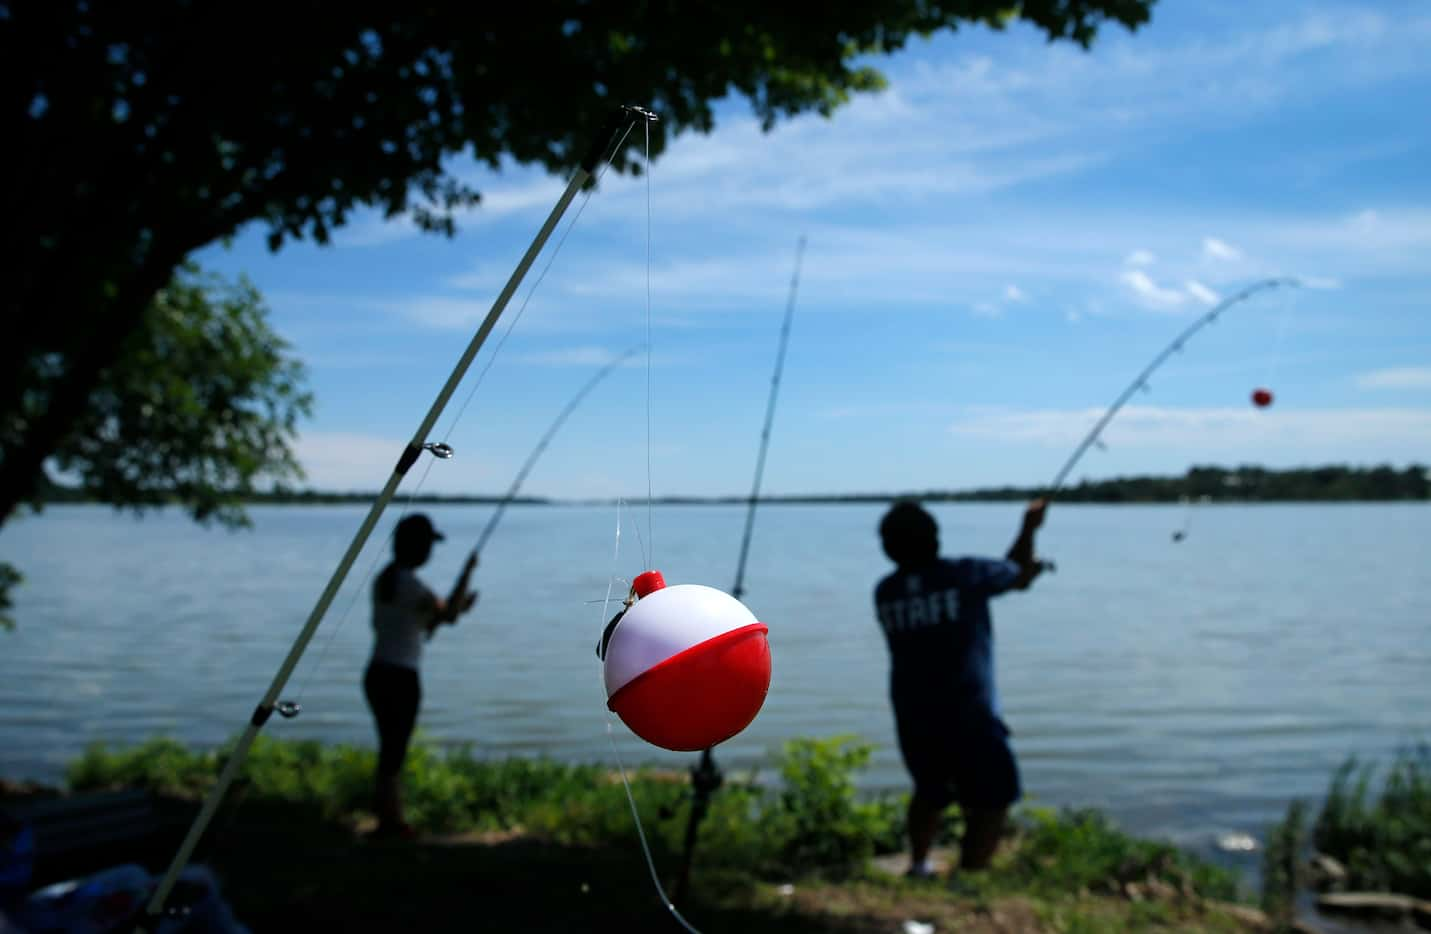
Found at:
(650, 528)
(1187, 503)
(545, 440)
(640, 543)
(561, 241)
(1288, 306)
(616, 752)
(641, 834)
(650, 533)
(438, 449)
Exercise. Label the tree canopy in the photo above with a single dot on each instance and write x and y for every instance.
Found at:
(202, 404)
(199, 410)
(141, 132)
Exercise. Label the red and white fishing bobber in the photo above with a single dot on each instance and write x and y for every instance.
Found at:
(686, 666)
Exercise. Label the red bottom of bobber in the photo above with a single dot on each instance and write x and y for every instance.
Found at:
(701, 696)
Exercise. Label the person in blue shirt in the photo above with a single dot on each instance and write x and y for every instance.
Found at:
(935, 615)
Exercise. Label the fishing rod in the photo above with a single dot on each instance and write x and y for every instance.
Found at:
(546, 439)
(1141, 381)
(610, 138)
(706, 776)
(739, 589)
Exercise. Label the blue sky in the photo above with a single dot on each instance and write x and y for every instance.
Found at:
(996, 245)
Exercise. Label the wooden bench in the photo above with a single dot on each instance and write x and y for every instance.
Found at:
(79, 834)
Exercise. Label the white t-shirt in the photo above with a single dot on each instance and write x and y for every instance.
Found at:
(401, 625)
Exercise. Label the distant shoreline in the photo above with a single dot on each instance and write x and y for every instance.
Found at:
(1243, 484)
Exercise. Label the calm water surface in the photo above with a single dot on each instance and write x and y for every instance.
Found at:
(1191, 689)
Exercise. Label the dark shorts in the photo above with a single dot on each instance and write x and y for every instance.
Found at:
(393, 694)
(964, 760)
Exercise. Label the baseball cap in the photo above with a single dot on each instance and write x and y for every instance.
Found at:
(418, 527)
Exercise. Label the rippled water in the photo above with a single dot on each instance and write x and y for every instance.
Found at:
(1190, 688)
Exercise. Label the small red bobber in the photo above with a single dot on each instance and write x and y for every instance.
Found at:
(1262, 398)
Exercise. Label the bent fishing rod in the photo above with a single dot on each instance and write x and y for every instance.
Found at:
(609, 139)
(546, 439)
(1141, 381)
(706, 776)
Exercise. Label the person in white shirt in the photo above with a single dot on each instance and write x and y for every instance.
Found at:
(405, 615)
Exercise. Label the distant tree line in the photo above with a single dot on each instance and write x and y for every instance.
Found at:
(1236, 484)
(60, 493)
(1331, 483)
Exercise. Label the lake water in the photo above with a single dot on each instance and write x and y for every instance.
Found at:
(1191, 689)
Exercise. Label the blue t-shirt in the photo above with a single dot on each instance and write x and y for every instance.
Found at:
(941, 641)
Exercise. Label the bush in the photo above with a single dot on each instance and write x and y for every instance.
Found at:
(818, 819)
(159, 765)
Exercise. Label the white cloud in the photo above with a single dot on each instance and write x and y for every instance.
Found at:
(763, 275)
(1244, 431)
(987, 310)
(443, 313)
(1404, 232)
(370, 229)
(590, 356)
(975, 125)
(1406, 377)
(1015, 294)
(347, 461)
(887, 410)
(1152, 294)
(1127, 81)
(1201, 292)
(500, 198)
(484, 278)
(1214, 248)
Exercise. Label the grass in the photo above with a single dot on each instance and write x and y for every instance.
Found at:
(1282, 861)
(541, 845)
(816, 820)
(1382, 838)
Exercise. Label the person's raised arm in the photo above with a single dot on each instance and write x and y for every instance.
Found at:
(1022, 550)
(459, 601)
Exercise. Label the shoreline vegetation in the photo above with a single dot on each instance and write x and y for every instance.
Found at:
(535, 844)
(1242, 484)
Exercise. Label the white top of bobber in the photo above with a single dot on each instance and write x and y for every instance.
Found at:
(665, 622)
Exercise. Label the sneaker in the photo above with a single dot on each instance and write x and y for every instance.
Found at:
(921, 871)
